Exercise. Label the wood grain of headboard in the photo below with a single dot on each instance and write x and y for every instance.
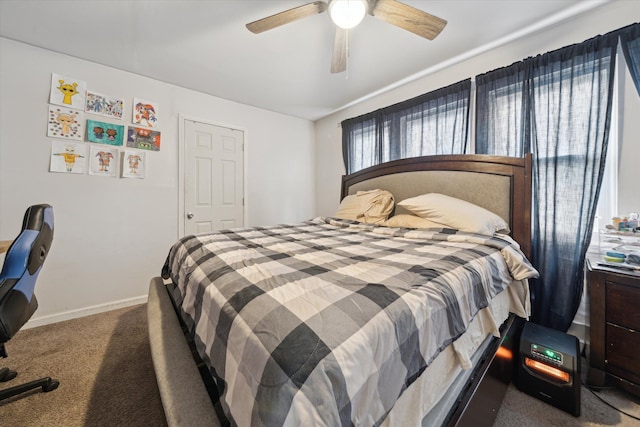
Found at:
(499, 184)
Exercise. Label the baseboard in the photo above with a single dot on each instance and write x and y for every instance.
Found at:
(82, 312)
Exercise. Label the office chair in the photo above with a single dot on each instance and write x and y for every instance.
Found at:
(20, 270)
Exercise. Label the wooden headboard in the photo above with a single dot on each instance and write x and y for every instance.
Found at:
(499, 184)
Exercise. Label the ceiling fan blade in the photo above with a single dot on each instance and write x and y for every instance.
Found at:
(273, 21)
(339, 57)
(409, 18)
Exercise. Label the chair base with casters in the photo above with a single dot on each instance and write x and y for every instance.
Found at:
(20, 270)
(47, 384)
(6, 374)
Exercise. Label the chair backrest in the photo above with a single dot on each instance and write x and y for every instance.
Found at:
(22, 265)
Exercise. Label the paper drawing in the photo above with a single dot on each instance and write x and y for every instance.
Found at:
(67, 91)
(105, 133)
(103, 161)
(67, 157)
(104, 105)
(143, 139)
(145, 113)
(134, 164)
(65, 123)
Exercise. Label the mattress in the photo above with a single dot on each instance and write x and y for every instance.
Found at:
(429, 399)
(329, 322)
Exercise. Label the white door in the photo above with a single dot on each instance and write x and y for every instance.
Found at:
(213, 178)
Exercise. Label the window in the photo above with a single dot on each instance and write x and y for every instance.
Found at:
(433, 123)
(608, 201)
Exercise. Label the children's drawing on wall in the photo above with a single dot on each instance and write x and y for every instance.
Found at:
(103, 161)
(134, 164)
(67, 91)
(104, 105)
(145, 113)
(105, 133)
(68, 157)
(65, 123)
(143, 139)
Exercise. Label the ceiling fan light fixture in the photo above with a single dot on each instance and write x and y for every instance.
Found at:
(347, 14)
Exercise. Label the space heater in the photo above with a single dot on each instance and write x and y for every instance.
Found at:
(549, 367)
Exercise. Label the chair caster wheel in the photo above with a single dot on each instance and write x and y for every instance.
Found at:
(50, 385)
(7, 374)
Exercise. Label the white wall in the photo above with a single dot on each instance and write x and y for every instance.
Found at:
(112, 235)
(329, 163)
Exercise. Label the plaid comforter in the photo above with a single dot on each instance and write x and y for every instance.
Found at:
(328, 321)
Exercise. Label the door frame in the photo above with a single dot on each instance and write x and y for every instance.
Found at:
(182, 158)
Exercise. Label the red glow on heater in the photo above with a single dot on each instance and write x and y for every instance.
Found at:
(546, 369)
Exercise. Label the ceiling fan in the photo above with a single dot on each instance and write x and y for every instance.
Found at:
(346, 14)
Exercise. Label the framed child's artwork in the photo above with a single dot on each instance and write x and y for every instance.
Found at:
(143, 139)
(68, 157)
(65, 123)
(103, 105)
(103, 161)
(67, 91)
(105, 133)
(145, 113)
(134, 164)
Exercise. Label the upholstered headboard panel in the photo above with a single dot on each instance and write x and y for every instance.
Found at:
(491, 192)
(499, 184)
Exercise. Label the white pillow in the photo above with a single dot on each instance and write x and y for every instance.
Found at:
(372, 207)
(411, 221)
(455, 213)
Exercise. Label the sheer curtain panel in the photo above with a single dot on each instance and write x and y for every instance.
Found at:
(434, 123)
(630, 42)
(502, 118)
(557, 106)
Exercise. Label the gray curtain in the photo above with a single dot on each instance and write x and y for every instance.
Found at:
(630, 42)
(433, 123)
(503, 123)
(557, 106)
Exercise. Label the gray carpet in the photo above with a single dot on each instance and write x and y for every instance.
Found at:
(520, 409)
(106, 378)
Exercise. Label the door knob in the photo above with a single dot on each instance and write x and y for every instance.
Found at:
(189, 215)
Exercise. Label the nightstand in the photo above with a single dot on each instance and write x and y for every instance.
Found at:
(614, 299)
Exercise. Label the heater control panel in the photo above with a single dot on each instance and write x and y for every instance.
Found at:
(547, 354)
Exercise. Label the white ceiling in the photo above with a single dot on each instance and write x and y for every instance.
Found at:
(204, 45)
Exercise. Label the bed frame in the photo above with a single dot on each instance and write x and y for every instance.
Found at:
(499, 184)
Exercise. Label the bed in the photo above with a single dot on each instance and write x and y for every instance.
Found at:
(332, 321)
